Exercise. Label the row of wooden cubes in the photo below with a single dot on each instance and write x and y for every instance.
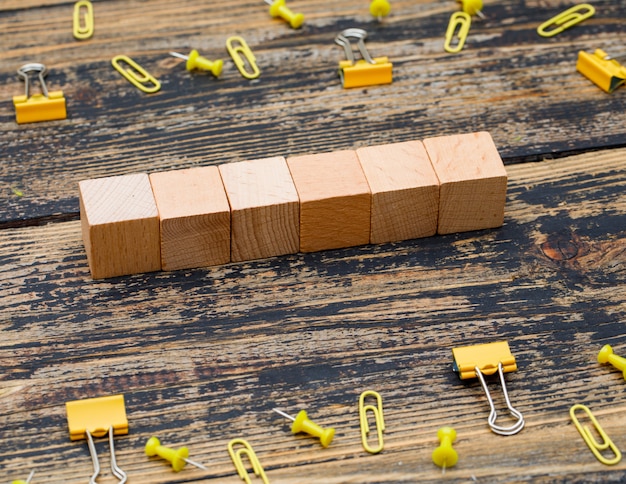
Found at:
(255, 209)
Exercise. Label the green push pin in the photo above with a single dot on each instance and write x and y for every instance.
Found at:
(196, 62)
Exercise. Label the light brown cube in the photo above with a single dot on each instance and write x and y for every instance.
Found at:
(194, 216)
(405, 191)
(120, 225)
(334, 200)
(473, 182)
(264, 208)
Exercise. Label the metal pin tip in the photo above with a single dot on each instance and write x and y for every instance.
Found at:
(286, 415)
(196, 464)
(180, 56)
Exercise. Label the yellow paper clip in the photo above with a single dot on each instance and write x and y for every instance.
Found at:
(95, 417)
(365, 72)
(46, 106)
(377, 410)
(83, 32)
(487, 359)
(566, 19)
(236, 52)
(236, 457)
(138, 77)
(458, 28)
(601, 69)
(590, 440)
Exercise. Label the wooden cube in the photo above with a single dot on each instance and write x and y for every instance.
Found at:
(334, 200)
(473, 182)
(405, 191)
(194, 216)
(120, 225)
(264, 208)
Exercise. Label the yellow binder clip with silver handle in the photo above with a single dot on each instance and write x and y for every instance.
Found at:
(46, 106)
(603, 70)
(488, 359)
(566, 19)
(364, 72)
(97, 417)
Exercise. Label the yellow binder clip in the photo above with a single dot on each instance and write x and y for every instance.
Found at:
(487, 359)
(237, 47)
(83, 31)
(236, 457)
(365, 72)
(47, 106)
(601, 69)
(590, 440)
(97, 417)
(566, 19)
(137, 76)
(377, 411)
(458, 28)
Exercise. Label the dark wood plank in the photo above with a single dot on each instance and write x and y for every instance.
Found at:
(522, 88)
(203, 356)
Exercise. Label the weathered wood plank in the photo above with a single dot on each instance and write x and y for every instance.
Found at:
(203, 355)
(509, 81)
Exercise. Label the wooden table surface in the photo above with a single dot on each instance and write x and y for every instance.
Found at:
(202, 356)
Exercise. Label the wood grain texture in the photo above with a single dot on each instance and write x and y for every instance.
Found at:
(120, 225)
(335, 200)
(265, 209)
(473, 181)
(520, 87)
(405, 191)
(203, 355)
(194, 217)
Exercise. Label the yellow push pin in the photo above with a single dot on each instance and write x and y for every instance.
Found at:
(279, 9)
(178, 458)
(606, 355)
(472, 7)
(27, 481)
(196, 61)
(444, 455)
(380, 8)
(301, 423)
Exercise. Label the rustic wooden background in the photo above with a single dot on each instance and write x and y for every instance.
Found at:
(202, 356)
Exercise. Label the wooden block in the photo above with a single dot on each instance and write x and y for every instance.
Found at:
(405, 191)
(473, 182)
(264, 208)
(120, 225)
(334, 200)
(195, 217)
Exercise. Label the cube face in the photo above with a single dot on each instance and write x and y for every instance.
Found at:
(335, 200)
(405, 191)
(194, 217)
(473, 182)
(120, 225)
(265, 208)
